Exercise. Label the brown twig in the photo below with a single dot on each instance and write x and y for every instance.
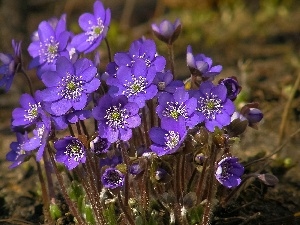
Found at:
(287, 109)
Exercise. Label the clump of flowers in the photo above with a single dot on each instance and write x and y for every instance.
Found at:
(133, 140)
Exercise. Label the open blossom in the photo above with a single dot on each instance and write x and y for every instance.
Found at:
(51, 43)
(229, 172)
(144, 50)
(166, 31)
(134, 82)
(112, 178)
(70, 85)
(70, 151)
(178, 105)
(168, 138)
(10, 64)
(95, 27)
(213, 106)
(116, 117)
(201, 65)
(99, 145)
(31, 110)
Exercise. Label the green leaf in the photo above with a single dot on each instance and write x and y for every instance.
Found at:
(55, 211)
(110, 215)
(75, 191)
(89, 215)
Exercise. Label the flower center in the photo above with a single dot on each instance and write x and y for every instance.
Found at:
(72, 87)
(99, 145)
(210, 106)
(41, 131)
(136, 86)
(94, 31)
(113, 177)
(171, 140)
(32, 112)
(225, 168)
(116, 117)
(75, 151)
(174, 110)
(20, 151)
(49, 50)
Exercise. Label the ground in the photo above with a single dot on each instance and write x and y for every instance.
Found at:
(257, 42)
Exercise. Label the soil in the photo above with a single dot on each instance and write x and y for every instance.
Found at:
(262, 50)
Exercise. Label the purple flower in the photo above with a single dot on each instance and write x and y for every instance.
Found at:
(166, 31)
(144, 50)
(18, 154)
(116, 117)
(251, 112)
(134, 82)
(214, 108)
(162, 176)
(95, 27)
(62, 122)
(201, 65)
(165, 83)
(233, 87)
(70, 85)
(111, 160)
(229, 171)
(51, 43)
(10, 64)
(70, 151)
(31, 110)
(135, 168)
(168, 138)
(39, 139)
(178, 105)
(99, 145)
(112, 178)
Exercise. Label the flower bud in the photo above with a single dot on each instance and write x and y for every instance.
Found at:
(166, 31)
(232, 86)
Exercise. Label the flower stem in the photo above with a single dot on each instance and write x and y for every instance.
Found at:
(71, 130)
(46, 201)
(108, 50)
(72, 207)
(85, 131)
(127, 214)
(201, 183)
(48, 168)
(210, 188)
(171, 59)
(126, 183)
(28, 80)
